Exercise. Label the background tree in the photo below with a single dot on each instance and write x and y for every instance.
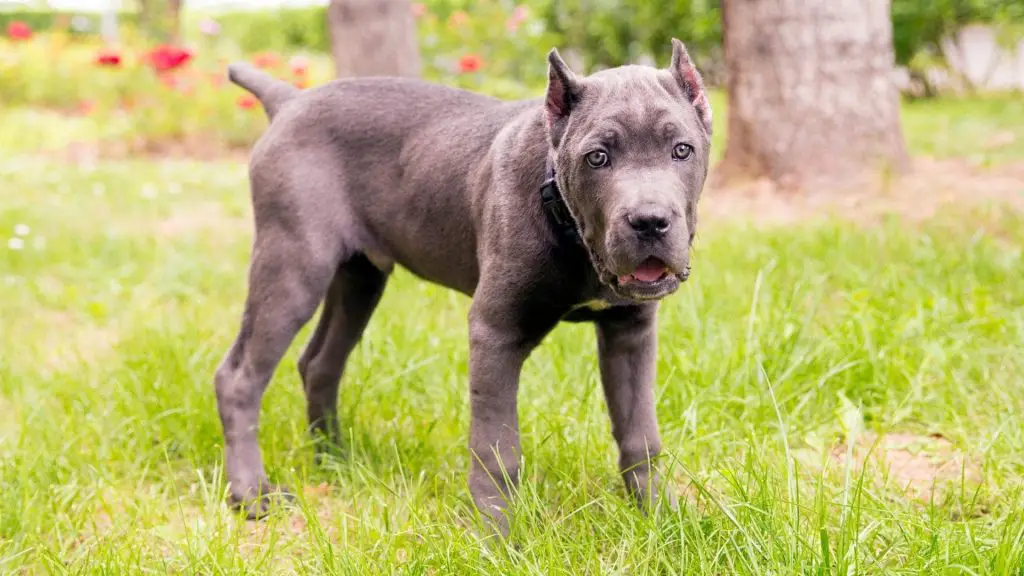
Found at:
(811, 90)
(373, 38)
(161, 19)
(174, 15)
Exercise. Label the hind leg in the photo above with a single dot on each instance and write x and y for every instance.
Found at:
(351, 299)
(290, 272)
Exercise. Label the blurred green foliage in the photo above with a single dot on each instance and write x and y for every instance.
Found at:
(614, 32)
(72, 22)
(286, 30)
(919, 25)
(601, 33)
(458, 48)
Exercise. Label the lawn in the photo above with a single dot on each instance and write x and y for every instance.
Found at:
(792, 352)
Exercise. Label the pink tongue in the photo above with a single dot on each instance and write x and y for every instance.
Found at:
(649, 270)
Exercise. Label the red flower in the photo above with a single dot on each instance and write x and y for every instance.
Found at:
(108, 58)
(301, 84)
(266, 60)
(419, 9)
(166, 58)
(169, 81)
(247, 102)
(458, 18)
(299, 66)
(470, 63)
(519, 15)
(18, 30)
(177, 83)
(86, 107)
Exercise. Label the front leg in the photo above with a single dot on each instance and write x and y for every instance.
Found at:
(627, 350)
(500, 341)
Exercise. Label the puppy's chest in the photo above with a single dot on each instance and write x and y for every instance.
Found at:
(593, 305)
(601, 299)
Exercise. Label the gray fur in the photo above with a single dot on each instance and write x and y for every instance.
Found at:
(357, 175)
(271, 92)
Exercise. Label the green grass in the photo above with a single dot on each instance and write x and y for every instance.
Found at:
(128, 287)
(983, 130)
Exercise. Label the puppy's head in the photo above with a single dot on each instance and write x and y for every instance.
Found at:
(631, 148)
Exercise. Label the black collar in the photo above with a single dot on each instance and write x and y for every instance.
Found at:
(554, 207)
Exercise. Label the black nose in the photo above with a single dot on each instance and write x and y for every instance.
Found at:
(649, 225)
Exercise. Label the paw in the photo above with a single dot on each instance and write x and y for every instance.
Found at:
(257, 502)
(492, 507)
(649, 498)
(327, 453)
(497, 523)
(666, 499)
(493, 487)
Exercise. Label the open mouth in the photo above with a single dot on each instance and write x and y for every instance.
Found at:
(650, 271)
(651, 280)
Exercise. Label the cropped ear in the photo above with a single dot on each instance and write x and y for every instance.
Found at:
(562, 96)
(689, 80)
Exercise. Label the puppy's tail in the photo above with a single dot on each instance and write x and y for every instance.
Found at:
(271, 92)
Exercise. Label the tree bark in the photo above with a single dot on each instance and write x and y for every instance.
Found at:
(373, 38)
(811, 90)
(174, 9)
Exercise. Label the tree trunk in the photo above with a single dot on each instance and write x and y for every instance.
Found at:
(174, 14)
(373, 38)
(161, 19)
(811, 90)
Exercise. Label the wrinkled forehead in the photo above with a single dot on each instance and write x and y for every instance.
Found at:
(638, 103)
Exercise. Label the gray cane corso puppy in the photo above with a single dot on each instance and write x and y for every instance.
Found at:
(580, 206)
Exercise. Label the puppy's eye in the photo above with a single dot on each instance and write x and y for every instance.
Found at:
(682, 151)
(597, 158)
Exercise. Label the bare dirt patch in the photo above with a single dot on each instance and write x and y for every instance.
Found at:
(920, 467)
(931, 186)
(287, 532)
(65, 341)
(294, 526)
